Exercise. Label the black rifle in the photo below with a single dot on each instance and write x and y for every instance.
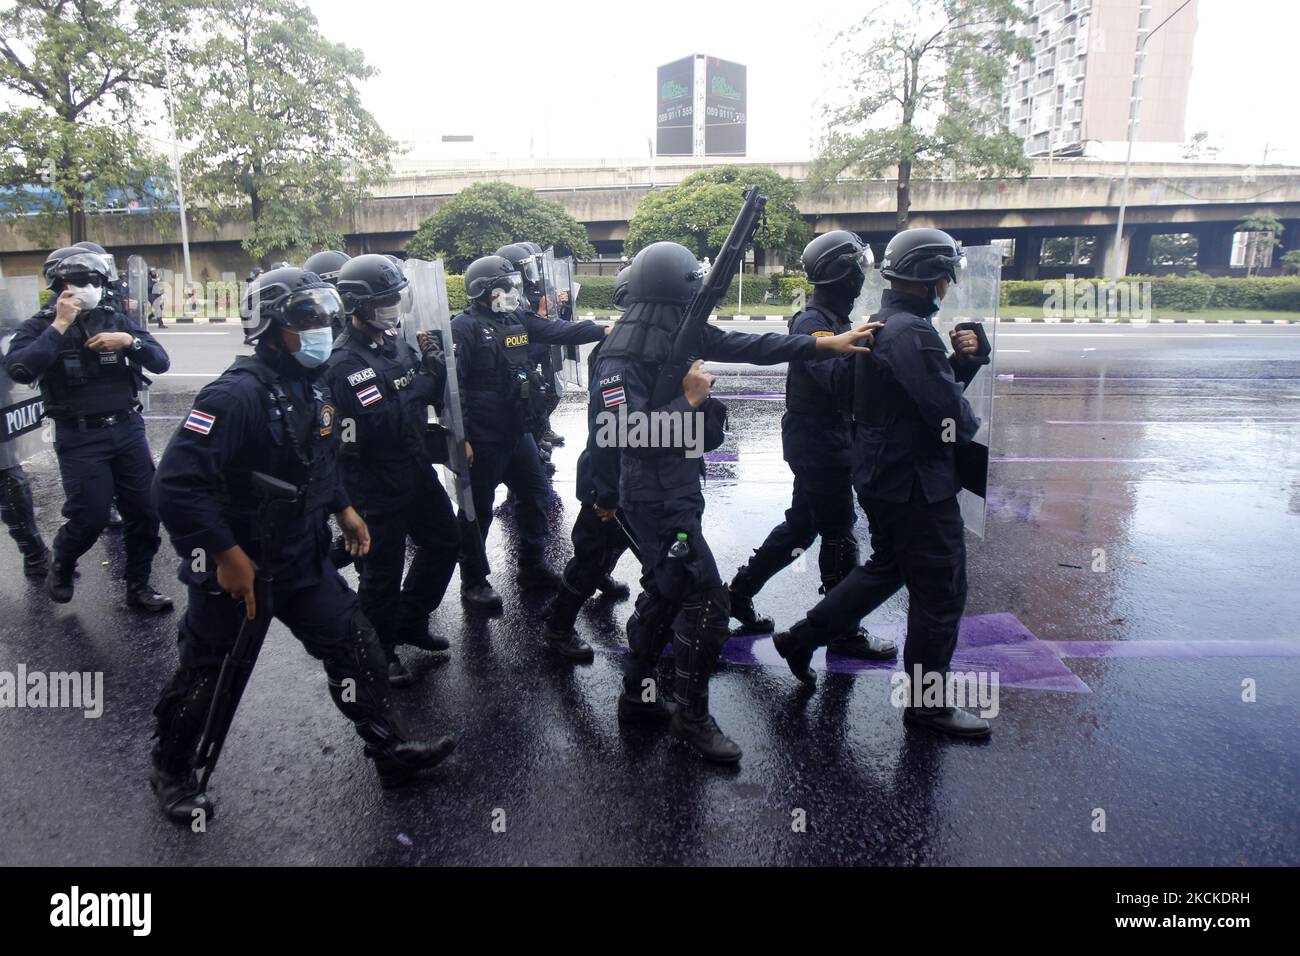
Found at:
(239, 661)
(689, 342)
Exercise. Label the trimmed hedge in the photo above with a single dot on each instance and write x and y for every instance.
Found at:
(1176, 293)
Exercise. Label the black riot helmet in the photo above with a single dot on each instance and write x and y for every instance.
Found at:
(527, 260)
(295, 298)
(53, 259)
(327, 264)
(835, 256)
(80, 267)
(97, 248)
(663, 272)
(368, 281)
(488, 273)
(620, 288)
(922, 255)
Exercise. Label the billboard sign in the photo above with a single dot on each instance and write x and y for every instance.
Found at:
(675, 109)
(724, 108)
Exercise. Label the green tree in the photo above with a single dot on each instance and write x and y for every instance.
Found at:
(699, 212)
(1262, 235)
(77, 72)
(482, 218)
(1291, 263)
(277, 133)
(1174, 249)
(926, 95)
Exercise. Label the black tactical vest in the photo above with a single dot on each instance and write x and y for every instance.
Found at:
(302, 446)
(802, 393)
(394, 376)
(522, 385)
(81, 382)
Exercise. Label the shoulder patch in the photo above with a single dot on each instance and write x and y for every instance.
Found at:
(200, 422)
(615, 379)
(613, 396)
(820, 332)
(365, 375)
(369, 395)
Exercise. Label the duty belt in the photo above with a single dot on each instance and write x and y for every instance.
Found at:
(87, 422)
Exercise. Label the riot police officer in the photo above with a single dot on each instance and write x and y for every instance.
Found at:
(599, 535)
(502, 398)
(115, 292)
(269, 412)
(816, 439)
(88, 358)
(909, 416)
(155, 298)
(383, 390)
(527, 259)
(327, 264)
(683, 597)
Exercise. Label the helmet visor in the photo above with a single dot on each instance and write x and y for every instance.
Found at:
(530, 271)
(313, 309)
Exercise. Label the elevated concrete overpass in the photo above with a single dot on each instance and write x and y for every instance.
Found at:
(1076, 198)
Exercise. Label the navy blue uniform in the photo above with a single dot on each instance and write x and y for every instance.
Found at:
(597, 545)
(383, 392)
(99, 434)
(265, 413)
(659, 490)
(492, 365)
(909, 417)
(817, 441)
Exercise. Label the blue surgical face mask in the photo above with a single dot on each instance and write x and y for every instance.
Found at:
(314, 347)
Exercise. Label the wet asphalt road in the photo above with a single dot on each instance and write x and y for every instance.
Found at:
(1176, 450)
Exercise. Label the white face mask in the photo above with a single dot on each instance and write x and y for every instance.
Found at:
(386, 317)
(503, 301)
(88, 295)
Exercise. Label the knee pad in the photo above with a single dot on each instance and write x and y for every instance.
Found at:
(181, 712)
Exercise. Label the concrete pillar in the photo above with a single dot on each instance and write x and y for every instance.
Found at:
(1028, 251)
(1214, 246)
(1139, 252)
(1104, 250)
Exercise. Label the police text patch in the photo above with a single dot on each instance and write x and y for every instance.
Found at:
(365, 375)
(200, 422)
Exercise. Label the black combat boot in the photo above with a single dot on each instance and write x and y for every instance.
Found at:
(142, 595)
(549, 436)
(612, 589)
(60, 580)
(797, 646)
(420, 636)
(952, 721)
(114, 518)
(182, 711)
(863, 646)
(742, 591)
(648, 631)
(36, 559)
(481, 598)
(398, 675)
(535, 573)
(362, 667)
(559, 632)
(695, 652)
(692, 721)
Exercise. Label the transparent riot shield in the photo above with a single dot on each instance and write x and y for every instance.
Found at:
(137, 306)
(571, 370)
(21, 408)
(426, 308)
(974, 298)
(137, 291)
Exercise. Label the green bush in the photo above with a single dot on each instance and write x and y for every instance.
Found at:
(1284, 297)
(597, 293)
(1242, 293)
(1178, 293)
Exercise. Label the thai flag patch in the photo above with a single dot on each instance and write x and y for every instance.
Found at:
(369, 395)
(613, 396)
(200, 422)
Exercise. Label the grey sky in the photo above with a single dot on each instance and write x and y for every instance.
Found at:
(589, 68)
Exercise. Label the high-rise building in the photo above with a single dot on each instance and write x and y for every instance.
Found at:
(1072, 96)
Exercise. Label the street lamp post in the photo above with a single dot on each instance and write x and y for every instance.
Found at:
(1135, 108)
(180, 186)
